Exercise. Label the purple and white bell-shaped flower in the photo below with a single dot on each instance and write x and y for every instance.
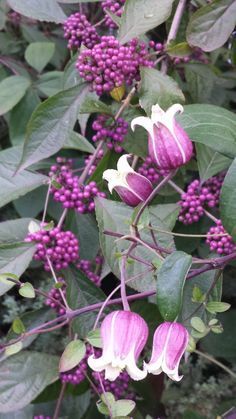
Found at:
(132, 187)
(169, 145)
(124, 335)
(169, 344)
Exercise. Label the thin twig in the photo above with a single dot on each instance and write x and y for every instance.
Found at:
(216, 362)
(59, 401)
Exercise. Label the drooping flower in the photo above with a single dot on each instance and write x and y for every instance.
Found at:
(168, 143)
(124, 335)
(132, 187)
(169, 344)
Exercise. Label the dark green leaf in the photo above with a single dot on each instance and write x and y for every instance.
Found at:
(13, 186)
(38, 54)
(50, 83)
(94, 105)
(85, 228)
(201, 82)
(20, 116)
(228, 201)
(13, 231)
(170, 284)
(158, 88)
(12, 90)
(181, 49)
(48, 11)
(211, 25)
(210, 162)
(136, 142)
(139, 17)
(81, 292)
(28, 373)
(212, 126)
(51, 124)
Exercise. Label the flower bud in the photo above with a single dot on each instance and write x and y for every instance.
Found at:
(124, 335)
(169, 344)
(132, 187)
(169, 145)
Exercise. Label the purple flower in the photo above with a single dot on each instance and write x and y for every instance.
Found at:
(132, 187)
(169, 145)
(124, 335)
(169, 344)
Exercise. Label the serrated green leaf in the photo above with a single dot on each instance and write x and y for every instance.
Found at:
(158, 88)
(170, 284)
(211, 25)
(139, 17)
(27, 290)
(72, 355)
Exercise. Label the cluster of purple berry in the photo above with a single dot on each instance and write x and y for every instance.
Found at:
(108, 64)
(150, 170)
(59, 247)
(95, 163)
(78, 30)
(219, 240)
(157, 46)
(72, 194)
(114, 6)
(54, 299)
(119, 387)
(197, 196)
(87, 267)
(113, 131)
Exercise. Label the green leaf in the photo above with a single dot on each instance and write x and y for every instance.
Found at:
(210, 162)
(201, 82)
(90, 105)
(20, 116)
(94, 338)
(181, 49)
(198, 296)
(228, 201)
(211, 25)
(170, 284)
(18, 326)
(102, 404)
(13, 231)
(72, 355)
(158, 88)
(139, 17)
(81, 292)
(217, 307)
(44, 10)
(38, 54)
(51, 124)
(76, 141)
(208, 124)
(85, 228)
(136, 142)
(123, 407)
(15, 261)
(13, 186)
(27, 290)
(28, 373)
(12, 90)
(197, 324)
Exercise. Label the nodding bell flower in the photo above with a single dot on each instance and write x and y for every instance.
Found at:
(169, 344)
(132, 187)
(169, 145)
(124, 335)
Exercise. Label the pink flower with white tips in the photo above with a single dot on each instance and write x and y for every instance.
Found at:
(168, 143)
(124, 335)
(169, 344)
(132, 187)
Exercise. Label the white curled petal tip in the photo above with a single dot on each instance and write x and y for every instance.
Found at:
(97, 364)
(111, 373)
(144, 122)
(112, 177)
(174, 109)
(123, 165)
(134, 372)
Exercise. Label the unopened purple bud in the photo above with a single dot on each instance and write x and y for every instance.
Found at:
(168, 143)
(132, 187)
(169, 344)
